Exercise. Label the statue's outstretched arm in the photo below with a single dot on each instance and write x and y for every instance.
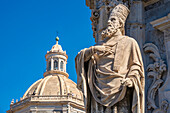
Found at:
(93, 50)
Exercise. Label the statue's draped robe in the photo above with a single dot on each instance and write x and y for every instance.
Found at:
(100, 76)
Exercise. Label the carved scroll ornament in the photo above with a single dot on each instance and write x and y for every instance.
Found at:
(155, 71)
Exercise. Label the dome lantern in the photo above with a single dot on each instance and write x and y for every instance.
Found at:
(56, 60)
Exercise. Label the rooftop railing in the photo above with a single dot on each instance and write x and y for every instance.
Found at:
(51, 98)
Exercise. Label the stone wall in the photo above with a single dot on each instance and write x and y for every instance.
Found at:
(158, 9)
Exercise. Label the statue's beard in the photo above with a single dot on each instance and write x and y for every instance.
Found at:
(109, 31)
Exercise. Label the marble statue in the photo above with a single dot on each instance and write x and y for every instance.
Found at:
(111, 73)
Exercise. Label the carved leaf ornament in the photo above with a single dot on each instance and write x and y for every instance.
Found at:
(155, 71)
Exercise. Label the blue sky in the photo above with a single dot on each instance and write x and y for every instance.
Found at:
(27, 30)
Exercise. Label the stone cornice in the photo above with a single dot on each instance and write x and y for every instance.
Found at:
(53, 72)
(47, 100)
(56, 56)
(162, 24)
(59, 53)
(149, 2)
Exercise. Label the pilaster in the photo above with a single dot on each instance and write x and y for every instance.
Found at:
(136, 22)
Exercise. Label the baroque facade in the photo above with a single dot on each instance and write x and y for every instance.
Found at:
(55, 93)
(149, 23)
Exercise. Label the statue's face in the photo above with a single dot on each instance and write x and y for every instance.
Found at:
(112, 26)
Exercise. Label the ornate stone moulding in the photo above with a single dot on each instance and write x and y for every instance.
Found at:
(162, 23)
(55, 53)
(155, 71)
(55, 72)
(51, 100)
(149, 2)
(96, 3)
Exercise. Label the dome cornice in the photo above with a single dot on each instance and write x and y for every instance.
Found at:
(44, 100)
(55, 72)
(58, 53)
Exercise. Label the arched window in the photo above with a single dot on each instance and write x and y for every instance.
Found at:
(49, 65)
(62, 66)
(55, 64)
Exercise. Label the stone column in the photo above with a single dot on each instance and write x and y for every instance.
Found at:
(52, 63)
(136, 24)
(163, 24)
(65, 62)
(102, 23)
(69, 110)
(59, 60)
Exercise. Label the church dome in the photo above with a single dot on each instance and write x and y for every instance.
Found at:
(54, 85)
(55, 92)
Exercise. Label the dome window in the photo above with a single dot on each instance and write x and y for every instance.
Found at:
(62, 66)
(55, 64)
(49, 65)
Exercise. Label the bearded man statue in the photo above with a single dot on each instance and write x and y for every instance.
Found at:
(111, 74)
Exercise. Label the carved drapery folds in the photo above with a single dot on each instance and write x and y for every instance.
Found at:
(155, 71)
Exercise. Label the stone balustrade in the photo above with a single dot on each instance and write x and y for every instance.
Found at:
(51, 98)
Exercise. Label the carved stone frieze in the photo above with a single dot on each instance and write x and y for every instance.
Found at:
(155, 71)
(94, 19)
(110, 3)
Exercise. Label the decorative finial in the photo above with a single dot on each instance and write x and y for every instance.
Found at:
(57, 39)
